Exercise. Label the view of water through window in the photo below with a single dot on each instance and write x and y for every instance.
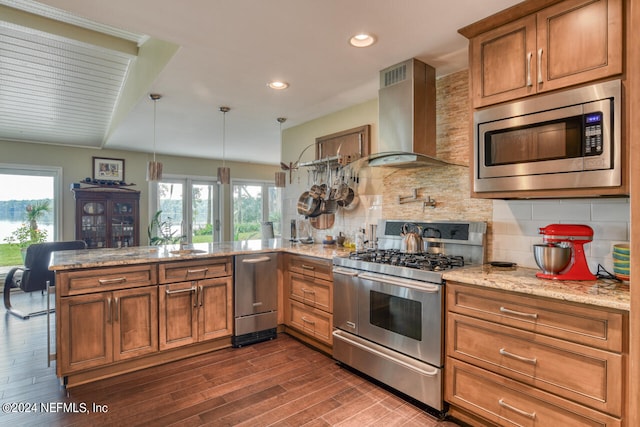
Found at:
(26, 213)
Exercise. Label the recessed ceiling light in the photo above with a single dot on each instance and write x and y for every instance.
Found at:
(278, 85)
(362, 40)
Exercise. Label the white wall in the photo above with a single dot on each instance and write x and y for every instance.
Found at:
(516, 224)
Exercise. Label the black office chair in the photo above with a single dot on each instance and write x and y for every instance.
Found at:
(35, 273)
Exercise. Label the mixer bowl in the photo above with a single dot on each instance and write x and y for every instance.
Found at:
(551, 259)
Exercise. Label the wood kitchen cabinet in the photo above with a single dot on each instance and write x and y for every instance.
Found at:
(308, 307)
(565, 44)
(111, 320)
(195, 301)
(104, 323)
(107, 217)
(518, 359)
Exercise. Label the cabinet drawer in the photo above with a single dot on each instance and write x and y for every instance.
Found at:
(180, 271)
(105, 279)
(315, 323)
(310, 267)
(592, 326)
(586, 375)
(314, 292)
(507, 402)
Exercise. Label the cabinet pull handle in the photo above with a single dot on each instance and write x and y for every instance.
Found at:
(308, 291)
(529, 56)
(531, 415)
(112, 281)
(308, 267)
(109, 310)
(180, 291)
(305, 320)
(532, 361)
(200, 270)
(201, 295)
(540, 66)
(518, 313)
(116, 308)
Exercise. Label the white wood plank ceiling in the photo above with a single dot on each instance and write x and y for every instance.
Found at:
(56, 89)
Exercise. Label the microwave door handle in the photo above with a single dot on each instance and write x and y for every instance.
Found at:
(529, 56)
(540, 66)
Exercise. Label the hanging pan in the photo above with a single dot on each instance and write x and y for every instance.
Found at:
(307, 204)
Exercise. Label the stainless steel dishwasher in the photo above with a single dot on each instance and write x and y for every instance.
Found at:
(255, 298)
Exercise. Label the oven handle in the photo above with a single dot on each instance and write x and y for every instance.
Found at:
(407, 283)
(385, 356)
(344, 271)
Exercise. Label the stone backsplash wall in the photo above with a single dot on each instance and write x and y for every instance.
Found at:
(449, 186)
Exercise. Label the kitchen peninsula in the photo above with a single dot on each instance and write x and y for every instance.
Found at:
(124, 309)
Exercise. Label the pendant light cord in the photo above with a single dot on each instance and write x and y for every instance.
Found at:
(155, 104)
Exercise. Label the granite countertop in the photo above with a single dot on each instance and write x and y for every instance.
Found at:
(91, 258)
(604, 293)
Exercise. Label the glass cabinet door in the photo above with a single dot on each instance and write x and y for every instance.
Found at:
(122, 224)
(94, 224)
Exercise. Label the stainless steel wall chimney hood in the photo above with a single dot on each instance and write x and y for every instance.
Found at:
(407, 116)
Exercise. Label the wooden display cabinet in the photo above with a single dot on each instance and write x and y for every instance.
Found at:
(107, 217)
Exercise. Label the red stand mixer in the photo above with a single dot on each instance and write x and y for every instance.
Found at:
(564, 238)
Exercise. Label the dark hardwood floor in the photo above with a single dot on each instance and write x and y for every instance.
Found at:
(280, 382)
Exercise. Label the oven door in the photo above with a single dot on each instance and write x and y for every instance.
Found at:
(403, 315)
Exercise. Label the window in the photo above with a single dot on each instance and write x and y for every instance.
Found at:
(191, 198)
(253, 204)
(22, 188)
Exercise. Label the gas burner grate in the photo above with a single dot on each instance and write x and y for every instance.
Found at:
(424, 261)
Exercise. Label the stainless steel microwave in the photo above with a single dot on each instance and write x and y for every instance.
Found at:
(564, 140)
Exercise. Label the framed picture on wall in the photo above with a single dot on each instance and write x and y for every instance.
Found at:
(105, 169)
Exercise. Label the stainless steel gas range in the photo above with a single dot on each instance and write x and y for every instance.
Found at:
(388, 305)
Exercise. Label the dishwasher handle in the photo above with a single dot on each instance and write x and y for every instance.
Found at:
(256, 260)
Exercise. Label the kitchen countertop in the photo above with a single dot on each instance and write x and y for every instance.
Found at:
(91, 258)
(604, 293)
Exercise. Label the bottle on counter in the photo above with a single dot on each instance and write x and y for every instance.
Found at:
(360, 240)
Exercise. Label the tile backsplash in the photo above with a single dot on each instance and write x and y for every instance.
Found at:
(515, 226)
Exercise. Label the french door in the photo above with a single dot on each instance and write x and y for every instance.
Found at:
(190, 208)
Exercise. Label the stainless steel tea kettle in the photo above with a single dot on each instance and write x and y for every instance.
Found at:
(412, 242)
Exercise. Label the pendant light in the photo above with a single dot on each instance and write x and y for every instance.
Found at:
(224, 173)
(154, 168)
(281, 177)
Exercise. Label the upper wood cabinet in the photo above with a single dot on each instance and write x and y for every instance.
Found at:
(565, 44)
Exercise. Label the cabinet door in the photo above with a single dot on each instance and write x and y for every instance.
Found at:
(86, 338)
(135, 325)
(178, 315)
(215, 314)
(578, 41)
(92, 218)
(123, 223)
(503, 62)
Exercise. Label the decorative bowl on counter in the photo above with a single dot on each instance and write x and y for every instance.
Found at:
(622, 249)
